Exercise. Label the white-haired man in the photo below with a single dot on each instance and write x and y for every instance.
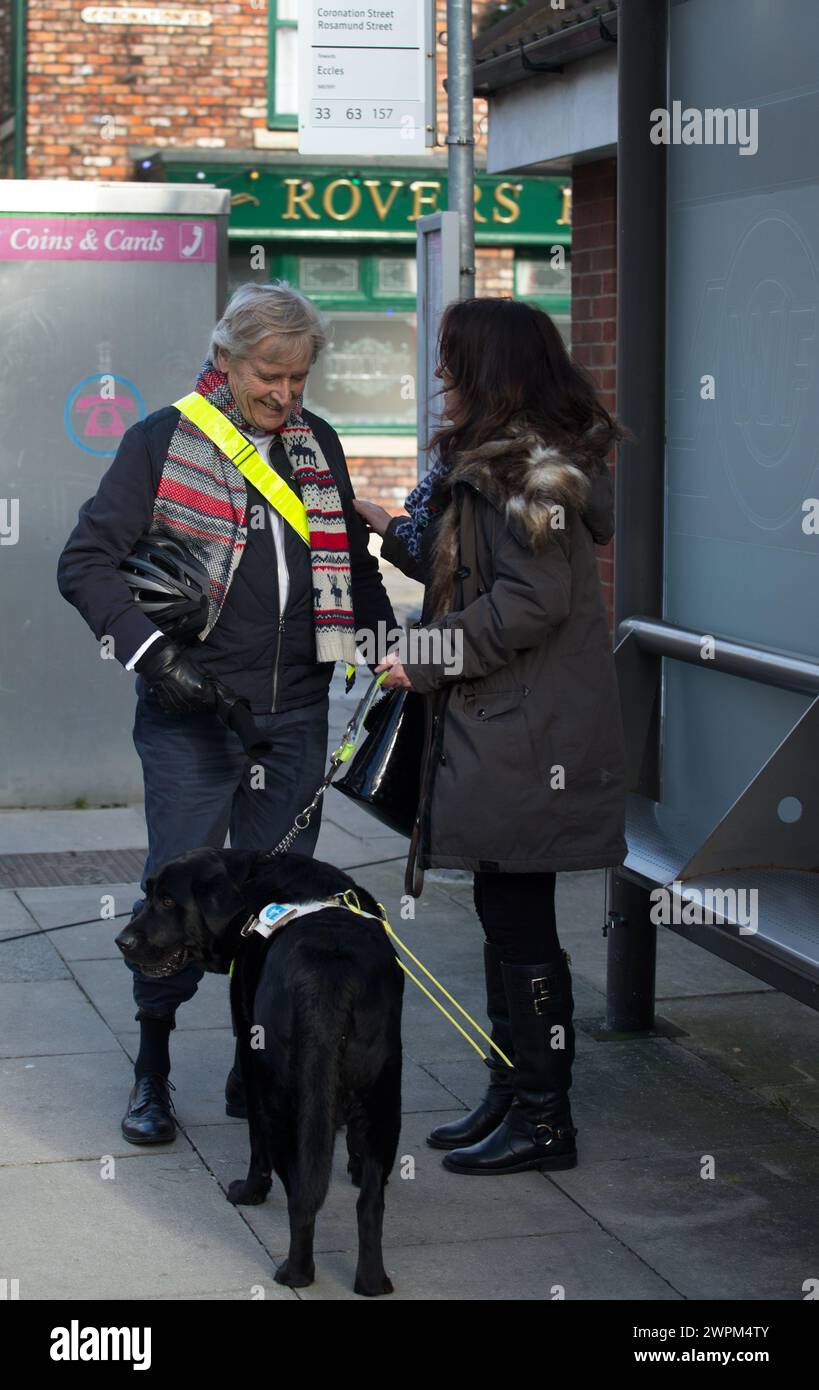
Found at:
(280, 614)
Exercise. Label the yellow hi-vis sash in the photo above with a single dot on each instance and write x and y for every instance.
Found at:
(247, 459)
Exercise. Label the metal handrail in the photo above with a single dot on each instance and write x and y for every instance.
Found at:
(787, 670)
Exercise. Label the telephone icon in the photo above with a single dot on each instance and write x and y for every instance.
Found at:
(195, 245)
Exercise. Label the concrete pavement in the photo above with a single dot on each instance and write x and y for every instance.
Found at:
(699, 1152)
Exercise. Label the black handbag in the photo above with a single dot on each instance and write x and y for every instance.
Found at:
(385, 772)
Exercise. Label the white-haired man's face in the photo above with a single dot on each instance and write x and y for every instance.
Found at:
(267, 384)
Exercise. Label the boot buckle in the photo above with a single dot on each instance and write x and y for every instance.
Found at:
(541, 989)
(537, 1138)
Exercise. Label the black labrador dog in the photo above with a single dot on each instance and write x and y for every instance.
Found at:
(317, 1011)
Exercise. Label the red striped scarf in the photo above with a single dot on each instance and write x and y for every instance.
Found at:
(202, 500)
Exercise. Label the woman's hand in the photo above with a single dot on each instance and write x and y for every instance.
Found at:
(377, 518)
(397, 677)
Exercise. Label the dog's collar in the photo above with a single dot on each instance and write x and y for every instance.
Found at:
(274, 916)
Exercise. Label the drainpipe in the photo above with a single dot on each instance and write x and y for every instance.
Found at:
(460, 138)
(19, 87)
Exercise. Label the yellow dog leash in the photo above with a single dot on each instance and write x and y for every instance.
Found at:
(277, 915)
(350, 900)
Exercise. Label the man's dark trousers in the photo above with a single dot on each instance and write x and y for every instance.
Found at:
(200, 783)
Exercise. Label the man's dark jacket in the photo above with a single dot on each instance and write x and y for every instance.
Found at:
(253, 648)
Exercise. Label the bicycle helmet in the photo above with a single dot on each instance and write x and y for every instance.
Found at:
(168, 585)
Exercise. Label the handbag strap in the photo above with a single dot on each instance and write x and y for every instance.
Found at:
(473, 580)
(246, 457)
(413, 874)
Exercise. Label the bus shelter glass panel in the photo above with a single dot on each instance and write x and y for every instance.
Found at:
(742, 383)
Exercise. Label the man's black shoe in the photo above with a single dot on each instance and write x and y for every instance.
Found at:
(235, 1101)
(149, 1118)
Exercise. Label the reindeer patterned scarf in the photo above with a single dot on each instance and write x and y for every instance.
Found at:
(202, 500)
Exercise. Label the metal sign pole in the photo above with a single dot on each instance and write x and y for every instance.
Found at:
(460, 137)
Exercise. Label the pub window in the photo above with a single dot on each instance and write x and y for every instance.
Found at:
(363, 382)
(396, 275)
(548, 286)
(363, 379)
(283, 65)
(328, 274)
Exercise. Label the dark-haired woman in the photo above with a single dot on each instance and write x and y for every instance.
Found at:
(525, 773)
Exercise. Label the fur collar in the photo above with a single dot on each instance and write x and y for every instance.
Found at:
(523, 479)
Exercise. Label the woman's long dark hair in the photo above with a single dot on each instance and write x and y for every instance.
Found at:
(509, 365)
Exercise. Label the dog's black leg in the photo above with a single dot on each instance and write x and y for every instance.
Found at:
(354, 1159)
(375, 1138)
(252, 1191)
(371, 1278)
(298, 1270)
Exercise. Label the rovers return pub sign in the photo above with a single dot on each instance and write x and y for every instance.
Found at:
(298, 201)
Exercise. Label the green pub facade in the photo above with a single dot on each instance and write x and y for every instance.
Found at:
(346, 237)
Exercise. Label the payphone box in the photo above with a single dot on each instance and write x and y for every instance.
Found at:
(108, 296)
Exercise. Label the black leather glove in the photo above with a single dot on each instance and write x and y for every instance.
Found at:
(235, 713)
(177, 682)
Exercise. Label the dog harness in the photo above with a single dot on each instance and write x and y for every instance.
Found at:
(274, 916)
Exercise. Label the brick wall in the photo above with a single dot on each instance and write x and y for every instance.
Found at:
(95, 89)
(594, 297)
(6, 146)
(385, 481)
(480, 105)
(495, 271)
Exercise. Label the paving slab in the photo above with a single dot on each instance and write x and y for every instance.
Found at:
(769, 1042)
(339, 846)
(32, 959)
(258, 1291)
(646, 1098)
(160, 1226)
(504, 1269)
(58, 1108)
(108, 983)
(94, 940)
(653, 1097)
(47, 831)
(201, 1059)
(748, 1232)
(424, 1203)
(635, 1219)
(373, 840)
(14, 917)
(47, 1018)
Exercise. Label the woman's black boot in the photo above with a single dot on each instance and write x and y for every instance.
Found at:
(537, 1132)
(500, 1093)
